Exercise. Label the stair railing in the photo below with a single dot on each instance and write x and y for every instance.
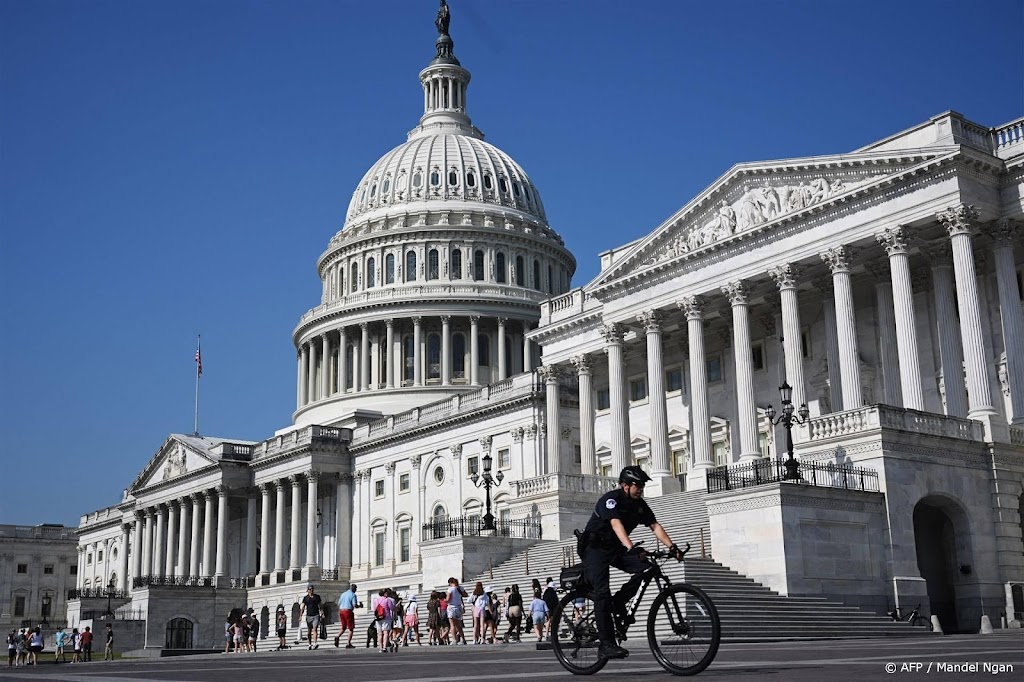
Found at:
(703, 552)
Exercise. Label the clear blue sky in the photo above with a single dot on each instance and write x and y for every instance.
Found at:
(174, 168)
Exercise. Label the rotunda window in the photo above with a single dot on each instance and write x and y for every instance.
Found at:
(434, 356)
(470, 179)
(389, 269)
(433, 264)
(551, 280)
(484, 349)
(409, 359)
(410, 266)
(536, 275)
(453, 178)
(499, 267)
(354, 279)
(386, 186)
(456, 264)
(515, 188)
(488, 183)
(478, 266)
(520, 272)
(371, 273)
(435, 178)
(417, 179)
(502, 185)
(458, 356)
(373, 190)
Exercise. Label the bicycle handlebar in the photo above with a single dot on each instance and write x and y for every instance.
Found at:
(663, 553)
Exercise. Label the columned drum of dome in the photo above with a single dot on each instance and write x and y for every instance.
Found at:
(443, 260)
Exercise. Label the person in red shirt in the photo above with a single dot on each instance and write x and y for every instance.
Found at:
(87, 644)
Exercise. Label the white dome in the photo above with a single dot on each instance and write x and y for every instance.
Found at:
(444, 167)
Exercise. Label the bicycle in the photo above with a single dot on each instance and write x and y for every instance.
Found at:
(683, 628)
(914, 617)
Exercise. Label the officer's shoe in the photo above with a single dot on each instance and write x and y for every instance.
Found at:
(612, 651)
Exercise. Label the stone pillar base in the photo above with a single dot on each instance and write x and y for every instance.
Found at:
(996, 428)
(311, 572)
(662, 485)
(697, 477)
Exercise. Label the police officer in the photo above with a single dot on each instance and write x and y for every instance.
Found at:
(606, 543)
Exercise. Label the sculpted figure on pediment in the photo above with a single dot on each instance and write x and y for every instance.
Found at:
(175, 464)
(799, 197)
(750, 212)
(837, 187)
(767, 199)
(819, 191)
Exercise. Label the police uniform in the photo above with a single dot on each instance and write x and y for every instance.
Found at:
(603, 549)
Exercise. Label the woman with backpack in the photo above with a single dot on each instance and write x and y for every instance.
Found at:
(479, 601)
(515, 614)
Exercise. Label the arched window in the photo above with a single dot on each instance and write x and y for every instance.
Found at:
(371, 273)
(417, 179)
(410, 266)
(499, 267)
(350, 359)
(551, 280)
(434, 356)
(439, 513)
(502, 185)
(520, 272)
(433, 264)
(478, 265)
(386, 186)
(470, 179)
(354, 279)
(488, 183)
(484, 348)
(389, 268)
(179, 634)
(435, 178)
(458, 356)
(453, 178)
(456, 264)
(340, 285)
(408, 359)
(536, 275)
(508, 354)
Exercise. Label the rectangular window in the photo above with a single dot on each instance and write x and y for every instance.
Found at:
(19, 606)
(577, 454)
(718, 450)
(603, 399)
(504, 458)
(88, 559)
(22, 568)
(757, 355)
(404, 539)
(47, 569)
(504, 517)
(378, 548)
(403, 483)
(805, 343)
(73, 569)
(762, 445)
(638, 389)
(606, 470)
(644, 463)
(100, 557)
(472, 465)
(680, 462)
(714, 366)
(378, 488)
(47, 606)
(674, 379)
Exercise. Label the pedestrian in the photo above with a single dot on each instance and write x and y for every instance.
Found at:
(433, 618)
(478, 612)
(229, 624)
(22, 649)
(87, 644)
(282, 628)
(311, 608)
(238, 634)
(539, 614)
(551, 600)
(515, 614)
(76, 645)
(491, 614)
(455, 609)
(445, 624)
(412, 622)
(348, 602)
(108, 648)
(383, 613)
(12, 648)
(397, 620)
(254, 632)
(59, 640)
(35, 645)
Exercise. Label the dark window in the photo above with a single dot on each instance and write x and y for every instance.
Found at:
(714, 369)
(433, 356)
(488, 183)
(674, 379)
(536, 275)
(433, 265)
(403, 482)
(378, 488)
(757, 356)
(456, 264)
(603, 399)
(389, 269)
(410, 266)
(805, 344)
(435, 178)
(502, 185)
(484, 347)
(410, 358)
(470, 179)
(478, 266)
(458, 356)
(472, 465)
(19, 605)
(354, 280)
(371, 273)
(453, 178)
(179, 634)
(48, 569)
(551, 280)
(22, 568)
(638, 389)
(499, 267)
(73, 569)
(404, 538)
(385, 187)
(520, 272)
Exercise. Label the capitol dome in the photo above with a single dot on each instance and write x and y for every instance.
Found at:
(437, 274)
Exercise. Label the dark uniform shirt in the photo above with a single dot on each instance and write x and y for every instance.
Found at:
(617, 504)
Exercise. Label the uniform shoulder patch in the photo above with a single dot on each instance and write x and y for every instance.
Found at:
(610, 503)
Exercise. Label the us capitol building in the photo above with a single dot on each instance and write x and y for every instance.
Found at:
(883, 285)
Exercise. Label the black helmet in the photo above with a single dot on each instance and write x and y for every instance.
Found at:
(633, 474)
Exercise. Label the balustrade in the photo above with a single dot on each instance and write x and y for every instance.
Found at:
(872, 417)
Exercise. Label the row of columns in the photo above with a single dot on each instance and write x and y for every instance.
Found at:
(317, 352)
(843, 356)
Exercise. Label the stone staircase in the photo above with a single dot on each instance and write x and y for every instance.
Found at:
(748, 610)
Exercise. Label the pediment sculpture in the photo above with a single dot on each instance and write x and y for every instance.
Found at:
(175, 463)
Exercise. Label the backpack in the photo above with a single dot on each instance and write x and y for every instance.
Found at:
(550, 598)
(380, 611)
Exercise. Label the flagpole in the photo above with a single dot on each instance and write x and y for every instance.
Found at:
(199, 373)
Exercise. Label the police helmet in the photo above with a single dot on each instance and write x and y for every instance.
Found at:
(633, 474)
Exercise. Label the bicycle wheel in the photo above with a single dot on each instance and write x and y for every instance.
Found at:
(574, 635)
(921, 621)
(683, 630)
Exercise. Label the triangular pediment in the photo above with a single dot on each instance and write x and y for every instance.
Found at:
(757, 196)
(176, 457)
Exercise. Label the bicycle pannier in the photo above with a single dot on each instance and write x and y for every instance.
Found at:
(571, 577)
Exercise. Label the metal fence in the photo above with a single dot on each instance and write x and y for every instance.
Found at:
(170, 581)
(119, 614)
(763, 471)
(473, 526)
(96, 593)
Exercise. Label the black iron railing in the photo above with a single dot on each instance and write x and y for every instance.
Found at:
(243, 581)
(470, 526)
(329, 574)
(120, 614)
(170, 581)
(96, 593)
(763, 471)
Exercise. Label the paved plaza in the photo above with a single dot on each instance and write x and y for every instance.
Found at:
(802, 661)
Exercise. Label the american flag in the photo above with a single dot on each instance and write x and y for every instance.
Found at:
(199, 359)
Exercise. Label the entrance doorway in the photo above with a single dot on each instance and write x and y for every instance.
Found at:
(943, 555)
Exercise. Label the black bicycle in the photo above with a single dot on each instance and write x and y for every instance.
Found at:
(914, 617)
(683, 628)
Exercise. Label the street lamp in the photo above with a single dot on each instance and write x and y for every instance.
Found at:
(111, 586)
(787, 419)
(487, 481)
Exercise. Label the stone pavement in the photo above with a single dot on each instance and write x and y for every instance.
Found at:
(863, 660)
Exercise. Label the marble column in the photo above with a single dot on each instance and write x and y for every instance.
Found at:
(652, 322)
(888, 357)
(417, 348)
(502, 365)
(342, 360)
(622, 453)
(207, 568)
(122, 570)
(947, 330)
(251, 511)
(389, 371)
(325, 374)
(172, 537)
(265, 528)
(838, 261)
(550, 375)
(785, 277)
(343, 525)
(222, 531)
(743, 359)
(357, 527)
(181, 564)
(364, 356)
(527, 355)
(136, 546)
(960, 222)
(279, 527)
(311, 508)
(446, 350)
(159, 540)
(311, 384)
(193, 551)
(474, 350)
(894, 241)
(1003, 234)
(294, 561)
(588, 457)
(299, 381)
(303, 374)
(700, 425)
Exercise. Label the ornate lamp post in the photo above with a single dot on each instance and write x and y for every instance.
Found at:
(111, 586)
(487, 481)
(787, 419)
